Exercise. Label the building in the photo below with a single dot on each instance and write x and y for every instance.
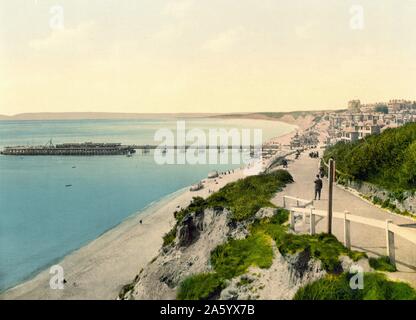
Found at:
(354, 106)
(361, 120)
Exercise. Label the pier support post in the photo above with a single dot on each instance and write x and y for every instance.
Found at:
(390, 243)
(347, 234)
(312, 222)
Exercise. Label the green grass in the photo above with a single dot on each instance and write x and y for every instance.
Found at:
(202, 286)
(169, 237)
(386, 160)
(243, 198)
(273, 226)
(376, 287)
(234, 257)
(322, 246)
(228, 260)
(246, 196)
(382, 264)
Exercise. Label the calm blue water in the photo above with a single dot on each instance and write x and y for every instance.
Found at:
(42, 220)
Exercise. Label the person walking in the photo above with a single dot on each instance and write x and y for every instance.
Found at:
(318, 187)
(322, 171)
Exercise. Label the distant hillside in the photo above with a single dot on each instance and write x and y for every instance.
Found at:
(270, 115)
(387, 159)
(289, 117)
(99, 115)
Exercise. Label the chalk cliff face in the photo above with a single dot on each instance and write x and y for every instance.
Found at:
(199, 234)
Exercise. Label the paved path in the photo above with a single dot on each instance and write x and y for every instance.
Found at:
(364, 238)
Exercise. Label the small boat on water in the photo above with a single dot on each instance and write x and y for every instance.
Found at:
(68, 185)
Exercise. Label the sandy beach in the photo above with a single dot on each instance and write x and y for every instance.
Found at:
(100, 269)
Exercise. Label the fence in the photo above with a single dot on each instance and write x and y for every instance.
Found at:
(391, 229)
(299, 202)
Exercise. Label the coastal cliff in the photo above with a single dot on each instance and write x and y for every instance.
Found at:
(197, 236)
(237, 245)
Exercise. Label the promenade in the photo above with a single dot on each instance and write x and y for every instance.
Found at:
(363, 238)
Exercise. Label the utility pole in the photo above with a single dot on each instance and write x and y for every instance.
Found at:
(331, 176)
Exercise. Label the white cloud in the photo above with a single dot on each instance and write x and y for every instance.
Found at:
(178, 9)
(226, 40)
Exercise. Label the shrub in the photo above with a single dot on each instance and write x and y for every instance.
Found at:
(377, 200)
(324, 247)
(376, 287)
(382, 264)
(386, 159)
(243, 198)
(169, 237)
(234, 257)
(200, 287)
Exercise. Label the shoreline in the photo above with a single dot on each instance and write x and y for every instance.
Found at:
(100, 268)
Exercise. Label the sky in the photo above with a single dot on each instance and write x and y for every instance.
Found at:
(204, 56)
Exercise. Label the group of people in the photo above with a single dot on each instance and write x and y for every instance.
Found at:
(314, 154)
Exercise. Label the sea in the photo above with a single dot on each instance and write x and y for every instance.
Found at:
(53, 205)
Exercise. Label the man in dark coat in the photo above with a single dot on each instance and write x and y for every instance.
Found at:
(318, 187)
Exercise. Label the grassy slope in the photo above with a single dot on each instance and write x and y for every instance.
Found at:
(243, 198)
(236, 256)
(387, 159)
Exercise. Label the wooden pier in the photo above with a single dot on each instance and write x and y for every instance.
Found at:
(93, 149)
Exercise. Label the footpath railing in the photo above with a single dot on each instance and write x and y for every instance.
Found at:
(299, 202)
(391, 230)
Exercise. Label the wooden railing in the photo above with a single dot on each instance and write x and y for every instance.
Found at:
(299, 202)
(390, 229)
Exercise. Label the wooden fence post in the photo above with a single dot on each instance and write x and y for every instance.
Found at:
(292, 220)
(331, 175)
(312, 222)
(390, 243)
(347, 234)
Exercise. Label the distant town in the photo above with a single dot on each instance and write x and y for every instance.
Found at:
(361, 120)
